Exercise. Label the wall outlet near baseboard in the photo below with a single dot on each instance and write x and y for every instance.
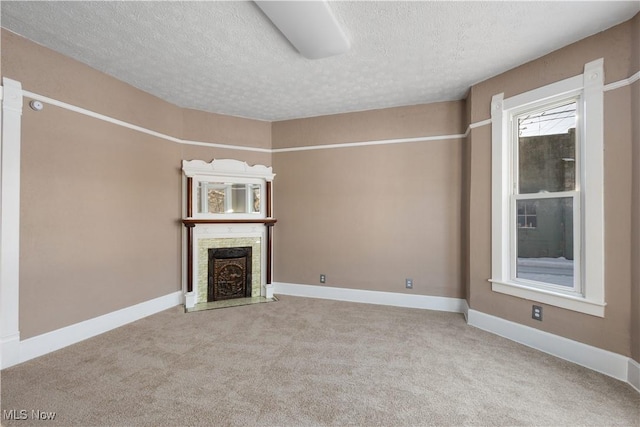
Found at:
(536, 312)
(408, 283)
(323, 278)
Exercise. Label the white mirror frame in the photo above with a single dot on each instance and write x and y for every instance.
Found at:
(227, 171)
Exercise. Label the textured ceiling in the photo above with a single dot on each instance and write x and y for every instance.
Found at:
(227, 57)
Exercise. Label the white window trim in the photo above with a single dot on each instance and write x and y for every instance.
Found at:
(590, 86)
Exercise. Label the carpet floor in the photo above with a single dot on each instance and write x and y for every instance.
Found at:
(309, 362)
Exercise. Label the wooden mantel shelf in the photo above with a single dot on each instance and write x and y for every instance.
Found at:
(266, 221)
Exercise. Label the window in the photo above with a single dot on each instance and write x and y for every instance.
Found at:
(547, 180)
(543, 138)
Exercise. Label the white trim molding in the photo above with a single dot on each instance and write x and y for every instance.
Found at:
(550, 297)
(10, 221)
(593, 178)
(226, 168)
(633, 374)
(606, 362)
(63, 337)
(477, 125)
(370, 143)
(174, 139)
(465, 310)
(455, 305)
(137, 128)
(611, 86)
(622, 83)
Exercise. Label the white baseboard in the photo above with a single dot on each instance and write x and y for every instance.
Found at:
(55, 340)
(597, 359)
(465, 310)
(633, 374)
(9, 350)
(455, 305)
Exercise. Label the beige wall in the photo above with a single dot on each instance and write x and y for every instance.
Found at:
(100, 203)
(368, 217)
(99, 210)
(443, 118)
(218, 128)
(613, 331)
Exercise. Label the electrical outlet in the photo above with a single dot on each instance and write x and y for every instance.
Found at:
(536, 313)
(323, 278)
(408, 283)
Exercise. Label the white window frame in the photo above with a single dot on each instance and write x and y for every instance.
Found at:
(589, 294)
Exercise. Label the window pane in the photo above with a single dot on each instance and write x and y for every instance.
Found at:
(546, 149)
(545, 242)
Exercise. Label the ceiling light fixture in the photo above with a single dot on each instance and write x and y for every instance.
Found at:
(310, 26)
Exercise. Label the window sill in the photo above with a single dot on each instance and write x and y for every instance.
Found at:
(574, 303)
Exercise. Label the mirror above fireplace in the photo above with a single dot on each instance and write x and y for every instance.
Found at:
(227, 189)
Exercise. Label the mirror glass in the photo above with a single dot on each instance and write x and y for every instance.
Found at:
(228, 198)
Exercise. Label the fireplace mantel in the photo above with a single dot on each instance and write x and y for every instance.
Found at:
(227, 202)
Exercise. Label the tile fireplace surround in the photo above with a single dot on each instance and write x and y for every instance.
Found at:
(229, 227)
(211, 236)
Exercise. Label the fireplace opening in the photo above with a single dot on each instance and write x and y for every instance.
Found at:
(229, 273)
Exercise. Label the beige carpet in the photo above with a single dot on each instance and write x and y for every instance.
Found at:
(310, 362)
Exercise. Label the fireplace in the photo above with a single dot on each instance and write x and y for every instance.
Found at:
(237, 253)
(227, 241)
(229, 273)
